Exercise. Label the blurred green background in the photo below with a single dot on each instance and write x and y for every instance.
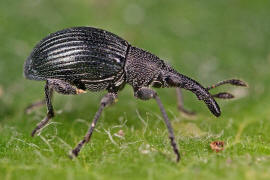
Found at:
(206, 40)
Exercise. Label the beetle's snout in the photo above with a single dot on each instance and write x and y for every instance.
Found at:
(213, 106)
(178, 80)
(208, 99)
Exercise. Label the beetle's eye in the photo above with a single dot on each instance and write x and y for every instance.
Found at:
(157, 84)
(169, 81)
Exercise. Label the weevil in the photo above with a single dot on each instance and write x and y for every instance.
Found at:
(79, 59)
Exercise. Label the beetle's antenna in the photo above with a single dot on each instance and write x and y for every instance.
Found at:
(226, 95)
(223, 95)
(234, 82)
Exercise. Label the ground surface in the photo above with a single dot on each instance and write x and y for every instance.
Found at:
(207, 40)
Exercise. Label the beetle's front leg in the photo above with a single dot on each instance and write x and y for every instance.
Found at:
(180, 103)
(59, 86)
(146, 94)
(107, 100)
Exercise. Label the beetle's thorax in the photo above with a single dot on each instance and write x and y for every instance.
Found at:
(142, 68)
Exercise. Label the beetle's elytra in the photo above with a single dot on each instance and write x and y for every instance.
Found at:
(80, 59)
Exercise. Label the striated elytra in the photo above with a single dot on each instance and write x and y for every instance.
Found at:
(80, 59)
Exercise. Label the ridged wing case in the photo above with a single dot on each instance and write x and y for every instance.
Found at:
(81, 53)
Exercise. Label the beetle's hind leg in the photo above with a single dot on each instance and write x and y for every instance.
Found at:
(61, 87)
(180, 103)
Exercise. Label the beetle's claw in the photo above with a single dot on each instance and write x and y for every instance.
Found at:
(186, 112)
(71, 155)
(33, 133)
(36, 132)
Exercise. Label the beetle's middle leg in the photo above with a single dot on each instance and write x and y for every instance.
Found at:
(61, 87)
(146, 94)
(107, 100)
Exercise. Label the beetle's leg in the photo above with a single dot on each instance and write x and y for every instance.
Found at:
(180, 103)
(107, 100)
(64, 87)
(146, 94)
(35, 105)
(61, 87)
(50, 113)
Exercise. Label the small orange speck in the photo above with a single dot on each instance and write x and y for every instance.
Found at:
(121, 133)
(217, 146)
(80, 91)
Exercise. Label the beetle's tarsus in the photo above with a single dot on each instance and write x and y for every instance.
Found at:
(75, 151)
(42, 124)
(35, 131)
(72, 155)
(175, 149)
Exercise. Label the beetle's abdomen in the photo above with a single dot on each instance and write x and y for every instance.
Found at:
(81, 53)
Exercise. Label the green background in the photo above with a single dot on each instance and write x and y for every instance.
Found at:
(207, 40)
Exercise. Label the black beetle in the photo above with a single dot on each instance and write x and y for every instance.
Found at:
(77, 59)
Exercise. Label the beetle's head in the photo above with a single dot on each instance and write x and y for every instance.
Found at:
(171, 78)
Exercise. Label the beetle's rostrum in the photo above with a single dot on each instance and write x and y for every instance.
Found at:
(80, 59)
